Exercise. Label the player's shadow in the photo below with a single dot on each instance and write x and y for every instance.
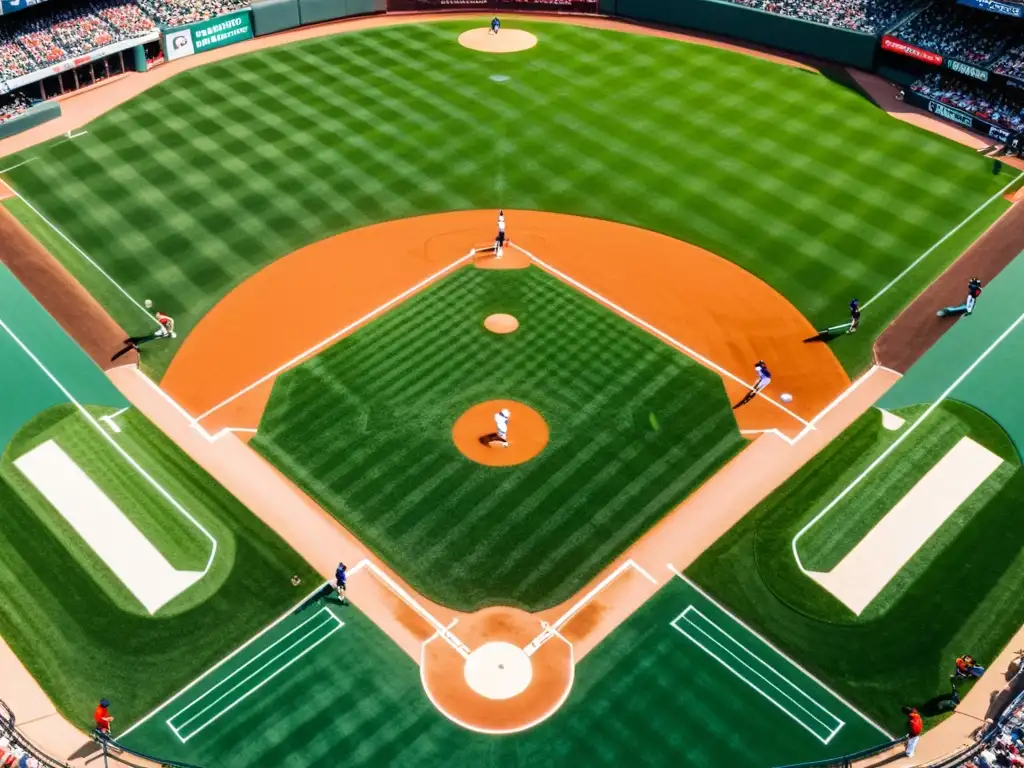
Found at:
(492, 437)
(824, 337)
(746, 399)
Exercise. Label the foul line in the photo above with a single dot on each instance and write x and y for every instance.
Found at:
(336, 335)
(940, 241)
(440, 630)
(550, 630)
(124, 454)
(82, 253)
(899, 440)
(775, 648)
(685, 616)
(163, 705)
(689, 351)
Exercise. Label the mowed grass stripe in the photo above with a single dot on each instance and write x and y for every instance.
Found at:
(188, 189)
(365, 427)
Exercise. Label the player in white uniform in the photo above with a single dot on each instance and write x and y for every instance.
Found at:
(499, 241)
(764, 378)
(501, 422)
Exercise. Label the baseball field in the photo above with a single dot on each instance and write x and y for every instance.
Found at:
(652, 570)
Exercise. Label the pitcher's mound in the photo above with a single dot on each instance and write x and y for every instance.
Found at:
(501, 323)
(506, 41)
(474, 434)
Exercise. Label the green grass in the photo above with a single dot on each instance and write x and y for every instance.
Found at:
(900, 650)
(79, 631)
(647, 696)
(365, 428)
(185, 191)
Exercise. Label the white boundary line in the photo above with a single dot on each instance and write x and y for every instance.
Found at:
(17, 165)
(117, 447)
(108, 419)
(226, 659)
(338, 334)
(694, 625)
(940, 241)
(338, 624)
(493, 731)
(550, 630)
(899, 440)
(688, 351)
(83, 254)
(440, 629)
(775, 648)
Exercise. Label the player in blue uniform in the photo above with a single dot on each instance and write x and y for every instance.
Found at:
(495, 25)
(764, 378)
(854, 316)
(973, 292)
(341, 582)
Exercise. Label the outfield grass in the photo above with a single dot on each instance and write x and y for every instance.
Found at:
(190, 188)
(959, 594)
(647, 696)
(76, 628)
(365, 428)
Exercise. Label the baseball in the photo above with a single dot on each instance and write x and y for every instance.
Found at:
(786, 397)
(148, 303)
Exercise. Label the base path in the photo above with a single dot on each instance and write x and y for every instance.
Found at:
(223, 374)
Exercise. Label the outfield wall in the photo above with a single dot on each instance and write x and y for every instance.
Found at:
(36, 115)
(856, 49)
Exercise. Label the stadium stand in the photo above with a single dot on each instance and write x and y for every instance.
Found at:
(173, 13)
(1011, 63)
(984, 101)
(12, 105)
(872, 16)
(956, 31)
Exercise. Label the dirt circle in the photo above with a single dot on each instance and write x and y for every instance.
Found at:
(527, 434)
(506, 41)
(501, 323)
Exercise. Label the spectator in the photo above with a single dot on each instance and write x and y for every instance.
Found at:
(914, 727)
(1011, 63)
(957, 31)
(174, 13)
(965, 665)
(12, 105)
(871, 16)
(976, 98)
(102, 717)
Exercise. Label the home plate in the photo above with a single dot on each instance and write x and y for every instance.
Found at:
(498, 670)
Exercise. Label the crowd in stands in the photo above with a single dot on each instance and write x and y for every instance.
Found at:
(13, 755)
(957, 31)
(976, 98)
(12, 105)
(1007, 748)
(1011, 63)
(173, 13)
(858, 15)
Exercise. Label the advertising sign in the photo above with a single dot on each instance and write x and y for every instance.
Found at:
(958, 116)
(207, 35)
(10, 6)
(994, 6)
(968, 70)
(896, 45)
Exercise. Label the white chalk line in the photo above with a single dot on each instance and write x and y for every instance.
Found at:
(899, 440)
(332, 623)
(83, 254)
(688, 351)
(939, 242)
(777, 650)
(163, 705)
(337, 335)
(550, 630)
(765, 680)
(440, 630)
(117, 447)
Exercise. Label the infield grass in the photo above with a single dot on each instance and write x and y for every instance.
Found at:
(366, 428)
(190, 188)
(960, 593)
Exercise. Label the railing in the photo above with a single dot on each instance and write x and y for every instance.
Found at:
(111, 747)
(9, 727)
(844, 761)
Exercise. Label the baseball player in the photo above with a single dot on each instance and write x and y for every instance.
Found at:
(166, 330)
(501, 422)
(495, 25)
(854, 316)
(973, 292)
(499, 240)
(341, 582)
(764, 378)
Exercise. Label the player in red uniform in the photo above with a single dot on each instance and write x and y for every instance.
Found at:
(165, 331)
